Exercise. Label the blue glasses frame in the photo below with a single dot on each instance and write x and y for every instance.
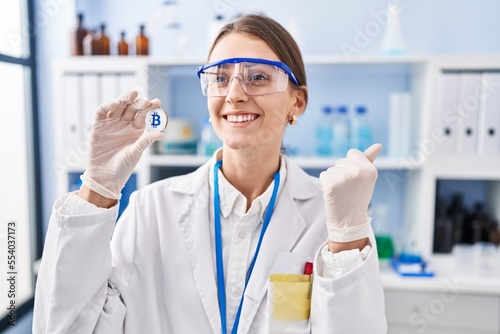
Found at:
(278, 64)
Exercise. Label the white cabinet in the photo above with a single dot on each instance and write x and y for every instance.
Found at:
(82, 83)
(449, 310)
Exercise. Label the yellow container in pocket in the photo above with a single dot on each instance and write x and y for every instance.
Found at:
(289, 296)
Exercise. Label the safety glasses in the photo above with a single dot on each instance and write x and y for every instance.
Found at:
(256, 76)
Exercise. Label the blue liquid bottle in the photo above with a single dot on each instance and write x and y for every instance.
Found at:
(340, 132)
(209, 142)
(361, 130)
(324, 133)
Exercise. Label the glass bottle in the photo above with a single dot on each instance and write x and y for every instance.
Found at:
(324, 132)
(122, 45)
(443, 229)
(457, 213)
(102, 42)
(89, 48)
(77, 36)
(393, 41)
(361, 130)
(340, 132)
(141, 43)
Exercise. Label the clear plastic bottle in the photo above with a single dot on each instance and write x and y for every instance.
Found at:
(209, 142)
(392, 40)
(340, 132)
(89, 47)
(361, 130)
(324, 132)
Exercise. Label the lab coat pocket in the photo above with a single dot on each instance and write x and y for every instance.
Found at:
(289, 303)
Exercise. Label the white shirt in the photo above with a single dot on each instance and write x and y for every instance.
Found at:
(240, 232)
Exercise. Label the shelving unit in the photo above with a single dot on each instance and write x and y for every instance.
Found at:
(409, 182)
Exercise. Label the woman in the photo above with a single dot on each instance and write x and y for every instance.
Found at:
(195, 253)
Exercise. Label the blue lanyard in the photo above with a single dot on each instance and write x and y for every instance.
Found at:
(221, 290)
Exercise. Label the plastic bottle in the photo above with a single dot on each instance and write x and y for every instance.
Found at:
(382, 231)
(361, 130)
(122, 45)
(324, 132)
(89, 43)
(340, 132)
(102, 42)
(392, 41)
(141, 43)
(209, 142)
(77, 36)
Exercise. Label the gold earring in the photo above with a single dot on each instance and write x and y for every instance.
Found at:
(292, 120)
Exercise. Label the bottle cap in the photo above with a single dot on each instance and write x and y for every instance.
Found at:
(327, 109)
(156, 120)
(342, 109)
(361, 109)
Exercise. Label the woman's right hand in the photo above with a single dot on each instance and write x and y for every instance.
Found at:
(117, 141)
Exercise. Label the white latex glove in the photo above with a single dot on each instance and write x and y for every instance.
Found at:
(347, 191)
(117, 140)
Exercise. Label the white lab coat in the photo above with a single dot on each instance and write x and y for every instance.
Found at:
(158, 275)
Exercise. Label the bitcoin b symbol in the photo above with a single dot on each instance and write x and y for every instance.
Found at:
(155, 120)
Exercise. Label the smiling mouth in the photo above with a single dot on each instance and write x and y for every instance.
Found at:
(240, 118)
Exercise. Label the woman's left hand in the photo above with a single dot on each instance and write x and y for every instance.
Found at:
(347, 190)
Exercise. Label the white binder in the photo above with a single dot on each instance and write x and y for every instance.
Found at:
(109, 87)
(400, 124)
(71, 103)
(448, 117)
(91, 100)
(127, 82)
(468, 116)
(489, 125)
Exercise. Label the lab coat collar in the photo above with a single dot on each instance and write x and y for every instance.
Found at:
(286, 226)
(302, 190)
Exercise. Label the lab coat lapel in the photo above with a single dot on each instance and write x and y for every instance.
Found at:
(195, 226)
(285, 228)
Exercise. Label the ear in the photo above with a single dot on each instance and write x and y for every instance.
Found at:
(299, 100)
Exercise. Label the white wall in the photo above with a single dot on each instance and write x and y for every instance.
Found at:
(53, 21)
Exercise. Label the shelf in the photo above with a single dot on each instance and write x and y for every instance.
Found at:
(466, 167)
(303, 162)
(368, 59)
(445, 278)
(177, 160)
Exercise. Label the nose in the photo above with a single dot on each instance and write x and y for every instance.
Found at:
(236, 90)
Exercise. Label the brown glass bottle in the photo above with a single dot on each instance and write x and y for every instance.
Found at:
(102, 42)
(141, 43)
(89, 48)
(77, 36)
(122, 45)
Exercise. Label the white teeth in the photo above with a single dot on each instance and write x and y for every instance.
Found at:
(240, 118)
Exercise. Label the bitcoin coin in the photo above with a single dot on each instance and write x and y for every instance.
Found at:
(156, 120)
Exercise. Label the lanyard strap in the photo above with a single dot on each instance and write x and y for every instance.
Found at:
(221, 290)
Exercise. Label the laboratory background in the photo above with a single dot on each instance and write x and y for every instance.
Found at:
(420, 77)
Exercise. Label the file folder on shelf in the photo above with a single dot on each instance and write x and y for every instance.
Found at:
(468, 107)
(448, 117)
(489, 126)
